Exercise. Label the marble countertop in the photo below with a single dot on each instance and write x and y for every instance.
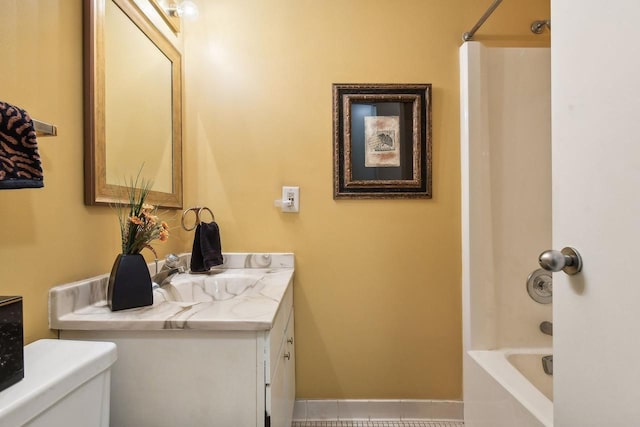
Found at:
(265, 278)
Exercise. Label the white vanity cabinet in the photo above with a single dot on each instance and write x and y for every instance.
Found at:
(200, 377)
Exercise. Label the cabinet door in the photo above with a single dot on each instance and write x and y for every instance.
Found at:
(281, 391)
(290, 371)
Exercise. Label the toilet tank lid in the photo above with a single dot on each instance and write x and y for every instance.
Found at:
(52, 370)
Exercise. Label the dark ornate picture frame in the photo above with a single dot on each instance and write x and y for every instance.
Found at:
(381, 141)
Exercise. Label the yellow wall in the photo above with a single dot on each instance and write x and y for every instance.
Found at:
(48, 236)
(377, 282)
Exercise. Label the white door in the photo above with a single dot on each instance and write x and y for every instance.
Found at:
(595, 59)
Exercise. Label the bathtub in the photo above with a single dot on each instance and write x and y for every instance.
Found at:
(508, 388)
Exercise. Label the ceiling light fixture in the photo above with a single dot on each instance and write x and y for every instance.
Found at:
(183, 9)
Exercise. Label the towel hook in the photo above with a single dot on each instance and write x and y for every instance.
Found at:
(197, 211)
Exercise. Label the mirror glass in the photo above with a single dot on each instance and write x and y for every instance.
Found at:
(133, 112)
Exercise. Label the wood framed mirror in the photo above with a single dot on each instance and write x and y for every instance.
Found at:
(133, 105)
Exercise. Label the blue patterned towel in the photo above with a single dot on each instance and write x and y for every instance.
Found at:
(20, 165)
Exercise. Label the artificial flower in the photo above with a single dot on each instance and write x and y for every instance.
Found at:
(139, 224)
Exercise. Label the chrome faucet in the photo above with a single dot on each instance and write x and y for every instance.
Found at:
(172, 265)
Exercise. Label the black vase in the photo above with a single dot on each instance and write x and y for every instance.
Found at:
(129, 283)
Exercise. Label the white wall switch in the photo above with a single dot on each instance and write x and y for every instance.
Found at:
(290, 199)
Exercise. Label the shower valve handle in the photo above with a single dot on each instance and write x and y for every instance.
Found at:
(567, 260)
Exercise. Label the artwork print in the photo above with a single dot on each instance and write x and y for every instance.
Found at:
(382, 141)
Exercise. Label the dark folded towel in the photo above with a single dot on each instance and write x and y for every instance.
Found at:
(19, 159)
(207, 250)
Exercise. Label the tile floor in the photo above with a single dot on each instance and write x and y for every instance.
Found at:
(377, 424)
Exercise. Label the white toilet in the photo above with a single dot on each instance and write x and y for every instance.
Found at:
(66, 384)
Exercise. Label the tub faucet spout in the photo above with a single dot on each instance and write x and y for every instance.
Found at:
(547, 364)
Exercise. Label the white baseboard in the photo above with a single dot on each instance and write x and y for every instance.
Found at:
(378, 409)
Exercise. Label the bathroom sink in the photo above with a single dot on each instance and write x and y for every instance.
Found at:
(196, 288)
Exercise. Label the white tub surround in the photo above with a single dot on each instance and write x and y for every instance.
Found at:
(227, 362)
(82, 305)
(506, 192)
(506, 223)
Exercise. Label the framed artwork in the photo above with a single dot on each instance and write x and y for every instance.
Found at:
(381, 141)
